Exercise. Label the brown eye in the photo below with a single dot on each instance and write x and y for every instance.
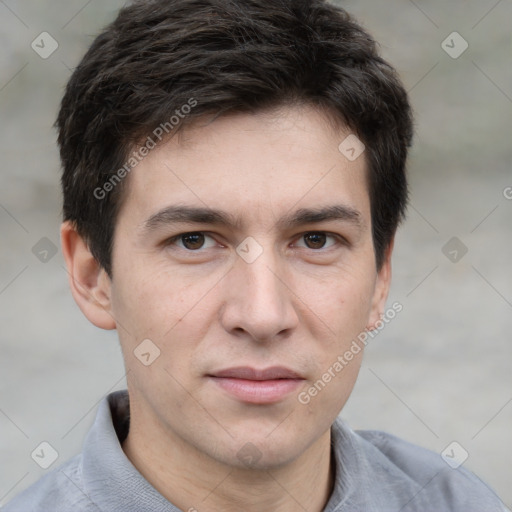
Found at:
(319, 241)
(192, 241)
(198, 242)
(315, 240)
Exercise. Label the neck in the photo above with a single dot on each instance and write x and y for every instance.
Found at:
(194, 482)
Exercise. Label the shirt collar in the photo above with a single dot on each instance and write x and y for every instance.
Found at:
(364, 478)
(110, 479)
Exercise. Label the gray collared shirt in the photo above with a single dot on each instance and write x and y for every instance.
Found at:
(375, 472)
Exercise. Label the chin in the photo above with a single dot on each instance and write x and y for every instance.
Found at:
(262, 451)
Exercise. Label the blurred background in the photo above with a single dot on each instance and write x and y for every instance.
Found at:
(438, 373)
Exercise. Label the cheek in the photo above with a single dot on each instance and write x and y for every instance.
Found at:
(141, 302)
(343, 300)
(160, 305)
(327, 393)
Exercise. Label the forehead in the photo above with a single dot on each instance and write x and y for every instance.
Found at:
(256, 166)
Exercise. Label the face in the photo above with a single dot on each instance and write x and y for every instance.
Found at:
(245, 246)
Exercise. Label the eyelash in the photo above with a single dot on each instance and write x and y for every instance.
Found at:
(340, 240)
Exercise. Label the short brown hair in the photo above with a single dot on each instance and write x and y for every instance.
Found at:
(227, 56)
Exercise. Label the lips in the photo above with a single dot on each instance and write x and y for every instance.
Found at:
(250, 385)
(248, 373)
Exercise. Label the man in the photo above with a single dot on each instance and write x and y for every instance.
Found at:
(233, 178)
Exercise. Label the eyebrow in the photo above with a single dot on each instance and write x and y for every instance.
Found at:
(205, 215)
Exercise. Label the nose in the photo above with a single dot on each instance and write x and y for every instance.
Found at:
(259, 299)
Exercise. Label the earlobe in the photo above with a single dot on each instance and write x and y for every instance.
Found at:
(381, 288)
(89, 283)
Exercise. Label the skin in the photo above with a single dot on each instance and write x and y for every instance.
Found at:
(299, 304)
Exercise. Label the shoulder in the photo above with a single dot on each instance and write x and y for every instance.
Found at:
(60, 490)
(450, 488)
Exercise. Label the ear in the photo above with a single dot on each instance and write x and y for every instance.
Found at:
(382, 285)
(90, 284)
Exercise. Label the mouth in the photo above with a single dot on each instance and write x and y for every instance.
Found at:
(255, 386)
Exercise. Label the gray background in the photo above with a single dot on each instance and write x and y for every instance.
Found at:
(439, 372)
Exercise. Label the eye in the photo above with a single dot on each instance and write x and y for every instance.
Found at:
(317, 239)
(191, 241)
